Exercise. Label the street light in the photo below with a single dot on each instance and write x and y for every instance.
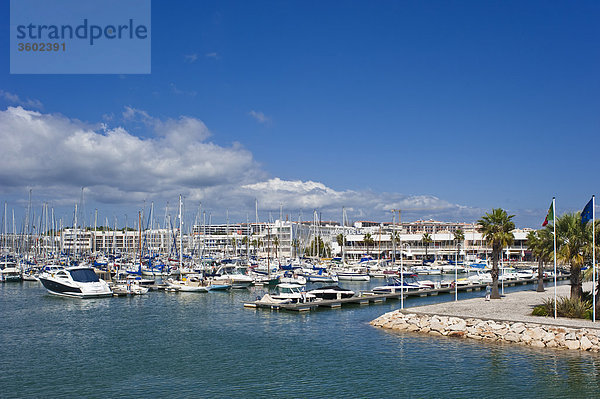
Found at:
(402, 275)
(456, 273)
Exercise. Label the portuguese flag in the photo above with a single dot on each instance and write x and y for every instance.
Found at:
(550, 215)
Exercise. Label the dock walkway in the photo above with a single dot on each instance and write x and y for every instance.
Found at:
(513, 307)
(367, 297)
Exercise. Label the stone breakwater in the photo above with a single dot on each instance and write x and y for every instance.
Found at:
(532, 334)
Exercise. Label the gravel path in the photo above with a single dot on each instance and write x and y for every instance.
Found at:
(516, 306)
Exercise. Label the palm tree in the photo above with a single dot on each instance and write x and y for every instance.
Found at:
(459, 238)
(368, 240)
(276, 244)
(245, 242)
(496, 228)
(234, 244)
(395, 239)
(340, 239)
(295, 245)
(572, 241)
(541, 245)
(426, 240)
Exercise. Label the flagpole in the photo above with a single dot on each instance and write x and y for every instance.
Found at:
(594, 257)
(554, 225)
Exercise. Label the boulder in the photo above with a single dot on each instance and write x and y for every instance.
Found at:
(512, 337)
(537, 344)
(584, 343)
(518, 328)
(549, 336)
(537, 334)
(460, 325)
(572, 344)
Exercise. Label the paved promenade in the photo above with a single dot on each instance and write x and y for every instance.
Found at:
(513, 307)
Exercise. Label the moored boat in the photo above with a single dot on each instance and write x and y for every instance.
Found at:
(76, 282)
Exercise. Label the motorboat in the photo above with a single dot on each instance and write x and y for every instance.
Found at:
(480, 278)
(76, 282)
(292, 278)
(129, 287)
(332, 292)
(9, 272)
(396, 284)
(353, 274)
(230, 274)
(525, 274)
(508, 273)
(319, 275)
(189, 283)
(289, 293)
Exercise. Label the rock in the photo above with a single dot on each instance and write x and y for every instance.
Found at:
(501, 332)
(496, 326)
(512, 337)
(526, 338)
(401, 326)
(425, 330)
(537, 333)
(585, 343)
(518, 328)
(570, 336)
(572, 344)
(549, 336)
(552, 344)
(460, 334)
(537, 344)
(460, 325)
(435, 325)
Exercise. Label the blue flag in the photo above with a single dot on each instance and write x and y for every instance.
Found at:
(586, 214)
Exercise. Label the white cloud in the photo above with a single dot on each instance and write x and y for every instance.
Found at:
(15, 99)
(56, 156)
(191, 58)
(213, 55)
(259, 116)
(309, 195)
(49, 150)
(176, 90)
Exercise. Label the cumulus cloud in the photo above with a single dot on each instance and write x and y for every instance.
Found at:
(191, 58)
(259, 116)
(57, 156)
(310, 195)
(51, 150)
(15, 99)
(213, 55)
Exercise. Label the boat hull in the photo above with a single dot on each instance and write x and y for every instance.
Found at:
(57, 288)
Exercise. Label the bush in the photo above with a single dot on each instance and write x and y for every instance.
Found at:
(566, 307)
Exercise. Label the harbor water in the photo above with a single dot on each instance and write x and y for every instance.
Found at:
(177, 345)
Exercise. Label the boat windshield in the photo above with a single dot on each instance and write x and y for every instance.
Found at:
(84, 275)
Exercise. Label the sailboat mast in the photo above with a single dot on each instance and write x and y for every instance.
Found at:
(140, 235)
(180, 236)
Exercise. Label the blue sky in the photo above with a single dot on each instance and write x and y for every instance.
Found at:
(443, 108)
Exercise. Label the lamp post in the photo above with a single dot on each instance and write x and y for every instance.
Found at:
(402, 275)
(456, 273)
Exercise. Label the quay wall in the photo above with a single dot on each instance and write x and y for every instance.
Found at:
(532, 334)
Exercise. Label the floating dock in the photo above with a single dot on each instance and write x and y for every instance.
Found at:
(368, 297)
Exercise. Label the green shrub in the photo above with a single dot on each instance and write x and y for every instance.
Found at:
(566, 307)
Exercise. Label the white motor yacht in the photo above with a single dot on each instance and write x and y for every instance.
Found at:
(76, 282)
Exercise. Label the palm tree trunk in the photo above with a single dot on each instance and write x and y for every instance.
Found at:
(495, 292)
(540, 287)
(597, 293)
(576, 287)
